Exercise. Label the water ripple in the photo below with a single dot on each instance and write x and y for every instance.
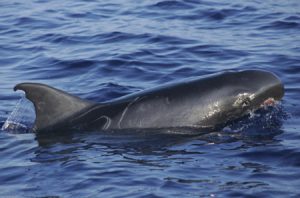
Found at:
(104, 50)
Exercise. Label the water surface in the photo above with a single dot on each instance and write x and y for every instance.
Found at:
(101, 50)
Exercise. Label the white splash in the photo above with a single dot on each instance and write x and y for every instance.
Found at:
(21, 119)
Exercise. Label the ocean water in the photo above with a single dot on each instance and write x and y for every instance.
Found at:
(101, 50)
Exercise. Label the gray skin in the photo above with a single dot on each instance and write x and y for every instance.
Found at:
(202, 103)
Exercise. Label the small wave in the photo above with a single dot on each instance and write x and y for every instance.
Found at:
(78, 15)
(172, 4)
(220, 14)
(217, 15)
(75, 64)
(54, 68)
(216, 51)
(171, 40)
(113, 37)
(102, 38)
(34, 22)
(288, 157)
(110, 91)
(286, 60)
(292, 18)
(281, 25)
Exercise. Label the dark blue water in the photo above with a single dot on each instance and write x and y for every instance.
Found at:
(100, 50)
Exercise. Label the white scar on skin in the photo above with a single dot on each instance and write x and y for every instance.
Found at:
(107, 124)
(125, 110)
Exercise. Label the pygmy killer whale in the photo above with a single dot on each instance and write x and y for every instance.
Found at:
(201, 103)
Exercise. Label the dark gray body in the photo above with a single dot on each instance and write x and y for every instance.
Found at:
(201, 103)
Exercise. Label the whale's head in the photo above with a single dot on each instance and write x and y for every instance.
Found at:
(242, 92)
(256, 88)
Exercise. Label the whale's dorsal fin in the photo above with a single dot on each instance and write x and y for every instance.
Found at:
(53, 107)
